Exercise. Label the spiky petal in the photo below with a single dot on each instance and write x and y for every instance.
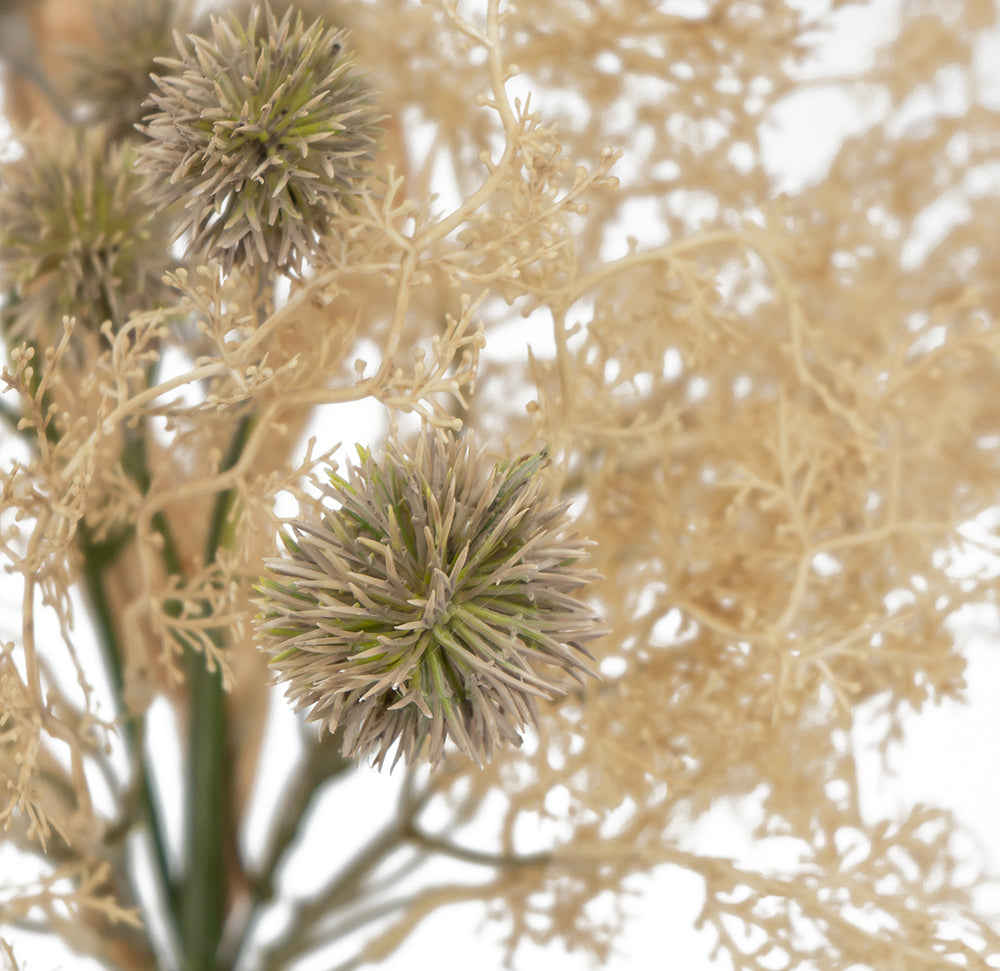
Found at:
(434, 603)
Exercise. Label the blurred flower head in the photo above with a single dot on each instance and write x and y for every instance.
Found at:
(78, 236)
(113, 78)
(435, 602)
(261, 132)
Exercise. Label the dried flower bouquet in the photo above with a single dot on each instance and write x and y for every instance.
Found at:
(682, 473)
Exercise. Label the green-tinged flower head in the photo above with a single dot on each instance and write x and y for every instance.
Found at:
(113, 78)
(435, 602)
(262, 132)
(78, 236)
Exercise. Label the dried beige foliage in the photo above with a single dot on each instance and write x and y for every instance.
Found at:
(775, 415)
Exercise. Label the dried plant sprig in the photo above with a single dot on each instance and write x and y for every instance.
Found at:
(261, 133)
(434, 603)
(78, 236)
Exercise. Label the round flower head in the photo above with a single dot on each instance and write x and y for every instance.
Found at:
(113, 78)
(78, 236)
(434, 603)
(260, 133)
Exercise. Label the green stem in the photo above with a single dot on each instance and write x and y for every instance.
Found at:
(204, 900)
(198, 903)
(97, 558)
(209, 829)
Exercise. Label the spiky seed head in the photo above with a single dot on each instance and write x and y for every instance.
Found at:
(261, 133)
(78, 236)
(434, 602)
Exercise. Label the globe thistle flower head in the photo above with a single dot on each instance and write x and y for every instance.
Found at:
(260, 133)
(78, 236)
(436, 602)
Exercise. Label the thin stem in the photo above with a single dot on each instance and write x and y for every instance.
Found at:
(338, 892)
(97, 558)
(135, 403)
(352, 923)
(344, 889)
(321, 765)
(511, 130)
(437, 845)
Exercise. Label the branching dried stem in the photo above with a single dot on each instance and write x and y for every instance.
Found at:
(774, 414)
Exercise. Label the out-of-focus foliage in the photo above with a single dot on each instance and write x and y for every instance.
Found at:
(77, 233)
(775, 414)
